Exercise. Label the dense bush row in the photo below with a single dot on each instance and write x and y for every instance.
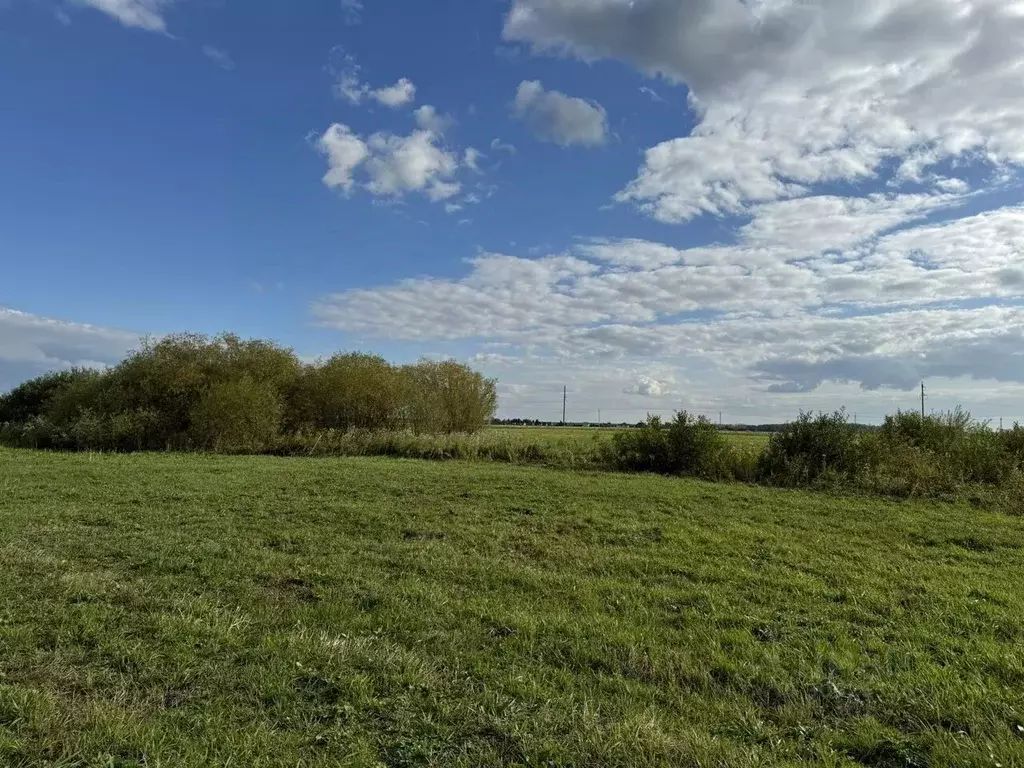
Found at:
(942, 455)
(190, 392)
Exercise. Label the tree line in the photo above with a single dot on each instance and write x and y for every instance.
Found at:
(191, 392)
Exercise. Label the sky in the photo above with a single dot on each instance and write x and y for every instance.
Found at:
(737, 207)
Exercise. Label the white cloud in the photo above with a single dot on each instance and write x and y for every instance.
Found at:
(616, 282)
(349, 84)
(780, 311)
(788, 95)
(810, 225)
(646, 386)
(560, 119)
(142, 14)
(345, 152)
(393, 165)
(428, 119)
(31, 345)
(394, 96)
(442, 190)
(847, 148)
(221, 58)
(471, 159)
(350, 87)
(416, 162)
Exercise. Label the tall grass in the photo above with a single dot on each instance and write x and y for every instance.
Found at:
(570, 453)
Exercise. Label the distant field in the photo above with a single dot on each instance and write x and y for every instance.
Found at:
(183, 610)
(753, 440)
(552, 434)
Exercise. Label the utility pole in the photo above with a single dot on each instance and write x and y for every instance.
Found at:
(922, 401)
(599, 417)
(565, 396)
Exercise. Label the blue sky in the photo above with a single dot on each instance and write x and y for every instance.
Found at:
(723, 206)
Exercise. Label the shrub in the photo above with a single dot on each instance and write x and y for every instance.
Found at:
(237, 416)
(171, 377)
(87, 393)
(684, 446)
(348, 391)
(123, 432)
(32, 398)
(964, 450)
(813, 448)
(901, 470)
(1011, 493)
(38, 432)
(446, 397)
(188, 390)
(1013, 444)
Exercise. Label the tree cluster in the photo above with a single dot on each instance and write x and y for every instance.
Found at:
(188, 391)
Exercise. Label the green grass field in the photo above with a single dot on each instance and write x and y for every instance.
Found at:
(182, 610)
(549, 435)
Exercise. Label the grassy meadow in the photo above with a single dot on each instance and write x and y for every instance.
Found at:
(187, 610)
(583, 434)
(585, 440)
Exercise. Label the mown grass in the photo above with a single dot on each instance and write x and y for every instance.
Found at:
(184, 610)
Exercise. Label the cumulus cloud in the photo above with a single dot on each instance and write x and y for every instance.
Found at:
(394, 96)
(400, 164)
(850, 148)
(349, 84)
(646, 386)
(560, 119)
(31, 345)
(393, 165)
(788, 95)
(428, 119)
(345, 152)
(141, 14)
(471, 159)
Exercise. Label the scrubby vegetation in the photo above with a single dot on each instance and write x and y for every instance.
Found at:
(945, 455)
(686, 446)
(225, 394)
